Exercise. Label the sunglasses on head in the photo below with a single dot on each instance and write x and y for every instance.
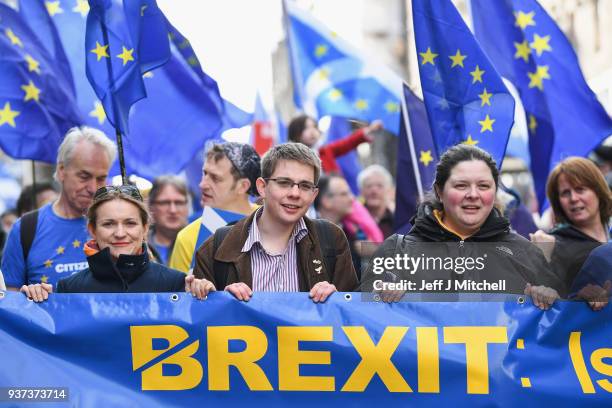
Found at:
(129, 190)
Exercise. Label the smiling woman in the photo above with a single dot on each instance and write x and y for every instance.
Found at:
(118, 256)
(461, 241)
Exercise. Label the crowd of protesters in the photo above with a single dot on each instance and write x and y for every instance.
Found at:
(293, 224)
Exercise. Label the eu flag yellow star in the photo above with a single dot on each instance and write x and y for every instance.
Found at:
(126, 55)
(101, 51)
(485, 98)
(53, 7)
(533, 124)
(193, 61)
(31, 92)
(477, 75)
(323, 73)
(426, 157)
(60, 250)
(334, 94)
(523, 20)
(33, 65)
(320, 50)
(361, 104)
(391, 106)
(48, 263)
(13, 37)
(82, 7)
(76, 243)
(184, 44)
(428, 57)
(536, 78)
(522, 50)
(469, 141)
(98, 112)
(486, 124)
(457, 59)
(44, 279)
(540, 44)
(8, 116)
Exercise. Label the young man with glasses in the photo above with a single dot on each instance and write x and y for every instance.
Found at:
(277, 248)
(168, 204)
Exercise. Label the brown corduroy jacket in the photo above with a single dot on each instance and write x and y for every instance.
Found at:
(311, 266)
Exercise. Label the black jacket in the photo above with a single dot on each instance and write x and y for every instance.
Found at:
(131, 274)
(492, 254)
(572, 248)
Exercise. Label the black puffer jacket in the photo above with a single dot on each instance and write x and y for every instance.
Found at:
(131, 274)
(572, 248)
(493, 254)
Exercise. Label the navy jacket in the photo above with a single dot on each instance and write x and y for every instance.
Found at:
(131, 274)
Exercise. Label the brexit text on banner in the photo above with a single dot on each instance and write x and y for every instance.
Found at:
(123, 41)
(416, 160)
(528, 48)
(466, 99)
(183, 103)
(37, 100)
(283, 350)
(331, 77)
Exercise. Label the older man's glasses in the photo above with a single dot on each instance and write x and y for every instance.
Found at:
(287, 184)
(129, 190)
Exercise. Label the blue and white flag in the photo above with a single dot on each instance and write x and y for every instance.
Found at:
(331, 77)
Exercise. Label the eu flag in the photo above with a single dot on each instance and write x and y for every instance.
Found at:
(416, 160)
(563, 115)
(339, 128)
(37, 101)
(331, 77)
(123, 40)
(183, 107)
(466, 100)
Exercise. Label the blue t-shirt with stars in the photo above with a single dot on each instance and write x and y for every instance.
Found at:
(56, 252)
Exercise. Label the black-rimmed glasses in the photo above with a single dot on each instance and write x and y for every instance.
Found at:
(287, 184)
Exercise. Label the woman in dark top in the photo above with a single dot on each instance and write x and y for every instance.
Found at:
(117, 255)
(463, 241)
(582, 205)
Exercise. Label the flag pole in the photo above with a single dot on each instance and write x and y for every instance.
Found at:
(415, 164)
(34, 204)
(118, 136)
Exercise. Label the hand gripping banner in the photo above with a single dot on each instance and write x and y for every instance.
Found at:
(110, 350)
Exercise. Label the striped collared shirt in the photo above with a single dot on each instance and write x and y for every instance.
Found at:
(274, 272)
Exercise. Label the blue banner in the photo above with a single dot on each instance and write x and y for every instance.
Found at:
(284, 350)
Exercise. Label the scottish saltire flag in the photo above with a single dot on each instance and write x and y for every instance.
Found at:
(183, 103)
(331, 77)
(123, 41)
(466, 100)
(262, 131)
(416, 160)
(212, 220)
(339, 128)
(37, 101)
(528, 48)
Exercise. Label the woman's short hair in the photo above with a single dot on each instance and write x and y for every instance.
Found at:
(88, 134)
(296, 127)
(92, 216)
(579, 172)
(290, 152)
(167, 180)
(451, 158)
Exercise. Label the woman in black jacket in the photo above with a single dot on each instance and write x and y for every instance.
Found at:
(582, 205)
(117, 255)
(460, 242)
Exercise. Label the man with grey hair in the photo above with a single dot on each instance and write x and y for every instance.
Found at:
(278, 248)
(47, 244)
(376, 186)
